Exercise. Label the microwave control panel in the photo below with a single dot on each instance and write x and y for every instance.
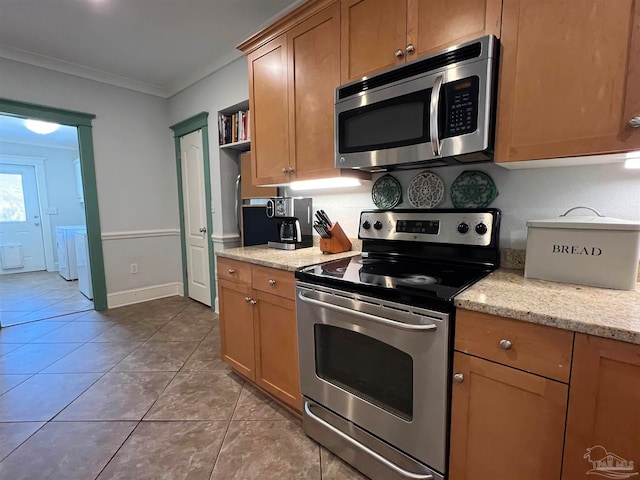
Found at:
(461, 106)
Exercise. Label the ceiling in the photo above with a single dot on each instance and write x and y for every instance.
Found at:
(154, 46)
(12, 130)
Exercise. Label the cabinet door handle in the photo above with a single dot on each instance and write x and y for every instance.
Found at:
(285, 170)
(506, 344)
(634, 122)
(231, 271)
(272, 282)
(458, 378)
(291, 169)
(411, 48)
(252, 302)
(399, 53)
(247, 299)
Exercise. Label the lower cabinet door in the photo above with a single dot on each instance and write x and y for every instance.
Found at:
(603, 424)
(236, 327)
(276, 341)
(505, 423)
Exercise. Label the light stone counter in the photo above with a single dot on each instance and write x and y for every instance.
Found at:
(596, 311)
(291, 260)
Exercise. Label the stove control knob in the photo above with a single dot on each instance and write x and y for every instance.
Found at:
(481, 229)
(366, 225)
(463, 227)
(378, 225)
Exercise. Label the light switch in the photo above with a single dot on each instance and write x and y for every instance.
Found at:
(52, 210)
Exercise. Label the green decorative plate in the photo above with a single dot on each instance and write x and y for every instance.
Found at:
(386, 192)
(473, 189)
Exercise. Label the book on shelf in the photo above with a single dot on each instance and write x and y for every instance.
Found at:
(234, 127)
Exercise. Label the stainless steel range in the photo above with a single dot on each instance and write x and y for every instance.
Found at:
(375, 337)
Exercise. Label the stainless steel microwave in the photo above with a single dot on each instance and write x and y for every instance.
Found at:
(438, 110)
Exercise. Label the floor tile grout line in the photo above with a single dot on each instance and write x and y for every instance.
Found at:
(25, 440)
(118, 449)
(224, 437)
(29, 375)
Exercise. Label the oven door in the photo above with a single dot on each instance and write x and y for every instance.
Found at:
(447, 113)
(381, 365)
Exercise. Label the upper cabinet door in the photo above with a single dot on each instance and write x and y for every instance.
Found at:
(314, 74)
(374, 36)
(268, 96)
(604, 419)
(569, 78)
(433, 25)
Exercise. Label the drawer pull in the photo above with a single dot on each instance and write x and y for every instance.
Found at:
(247, 299)
(505, 344)
(458, 378)
(272, 282)
(232, 271)
(252, 302)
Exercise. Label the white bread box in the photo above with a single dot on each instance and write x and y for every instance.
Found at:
(587, 250)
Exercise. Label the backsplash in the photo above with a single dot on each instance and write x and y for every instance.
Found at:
(523, 195)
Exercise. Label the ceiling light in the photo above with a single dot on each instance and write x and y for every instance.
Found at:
(633, 160)
(43, 128)
(325, 183)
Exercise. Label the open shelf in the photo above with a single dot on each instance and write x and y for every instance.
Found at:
(242, 146)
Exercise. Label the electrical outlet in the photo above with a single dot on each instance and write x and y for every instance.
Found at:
(133, 268)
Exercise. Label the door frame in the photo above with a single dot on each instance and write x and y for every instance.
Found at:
(180, 129)
(82, 121)
(43, 200)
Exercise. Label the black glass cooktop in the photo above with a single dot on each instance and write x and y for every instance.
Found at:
(397, 278)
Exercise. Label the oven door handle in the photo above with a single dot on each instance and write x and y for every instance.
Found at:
(433, 115)
(357, 445)
(367, 316)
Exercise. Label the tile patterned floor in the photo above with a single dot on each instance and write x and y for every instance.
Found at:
(139, 392)
(27, 297)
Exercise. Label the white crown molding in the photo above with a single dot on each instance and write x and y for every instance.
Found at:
(167, 232)
(82, 71)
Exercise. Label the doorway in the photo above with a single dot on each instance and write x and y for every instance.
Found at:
(194, 199)
(80, 123)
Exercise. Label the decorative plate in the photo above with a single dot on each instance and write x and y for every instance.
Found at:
(473, 189)
(386, 192)
(426, 190)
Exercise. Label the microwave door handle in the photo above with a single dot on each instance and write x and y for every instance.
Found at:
(433, 117)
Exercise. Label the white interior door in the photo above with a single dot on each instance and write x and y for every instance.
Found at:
(195, 217)
(21, 243)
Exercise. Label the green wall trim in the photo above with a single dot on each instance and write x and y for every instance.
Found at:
(183, 241)
(87, 165)
(191, 124)
(49, 114)
(180, 129)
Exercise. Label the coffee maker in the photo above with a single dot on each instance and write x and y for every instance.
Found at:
(294, 222)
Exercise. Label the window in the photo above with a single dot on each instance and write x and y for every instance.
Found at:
(12, 206)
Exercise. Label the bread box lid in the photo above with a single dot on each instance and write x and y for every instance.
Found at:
(587, 222)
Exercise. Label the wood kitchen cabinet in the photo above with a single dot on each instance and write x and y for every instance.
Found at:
(505, 423)
(604, 405)
(258, 327)
(569, 79)
(378, 34)
(508, 408)
(292, 82)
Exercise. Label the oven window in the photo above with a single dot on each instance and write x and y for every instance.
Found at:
(372, 370)
(391, 123)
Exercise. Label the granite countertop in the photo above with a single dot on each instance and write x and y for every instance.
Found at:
(291, 260)
(596, 311)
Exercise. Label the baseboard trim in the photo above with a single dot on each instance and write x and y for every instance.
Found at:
(144, 294)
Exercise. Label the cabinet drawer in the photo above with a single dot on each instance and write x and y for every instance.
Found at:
(234, 271)
(274, 281)
(534, 348)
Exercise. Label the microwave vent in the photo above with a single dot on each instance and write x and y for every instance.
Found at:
(467, 52)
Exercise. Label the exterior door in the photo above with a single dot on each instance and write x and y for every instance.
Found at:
(21, 244)
(195, 217)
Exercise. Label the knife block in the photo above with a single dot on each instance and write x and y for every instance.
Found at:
(338, 243)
